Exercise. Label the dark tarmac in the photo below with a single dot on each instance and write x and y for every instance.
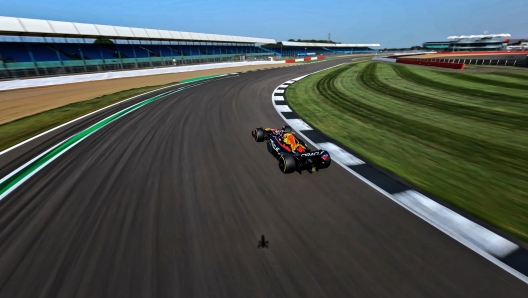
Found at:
(172, 199)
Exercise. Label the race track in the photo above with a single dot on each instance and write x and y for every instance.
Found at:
(171, 200)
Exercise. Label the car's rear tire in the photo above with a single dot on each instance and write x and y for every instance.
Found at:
(287, 163)
(323, 164)
(259, 135)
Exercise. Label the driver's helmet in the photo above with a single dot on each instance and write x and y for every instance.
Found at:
(289, 128)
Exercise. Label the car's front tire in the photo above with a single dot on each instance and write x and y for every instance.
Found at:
(287, 163)
(259, 135)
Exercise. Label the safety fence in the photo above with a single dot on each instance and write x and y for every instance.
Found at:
(512, 52)
(424, 62)
(497, 62)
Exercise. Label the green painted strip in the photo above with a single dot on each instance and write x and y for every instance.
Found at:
(36, 164)
(200, 78)
(8, 183)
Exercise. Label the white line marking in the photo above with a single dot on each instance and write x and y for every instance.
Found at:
(79, 118)
(31, 161)
(32, 173)
(337, 153)
(94, 112)
(15, 186)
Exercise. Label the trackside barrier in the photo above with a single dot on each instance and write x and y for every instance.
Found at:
(79, 78)
(499, 62)
(481, 52)
(384, 59)
(430, 63)
(304, 59)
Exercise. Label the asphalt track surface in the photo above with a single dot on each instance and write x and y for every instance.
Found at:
(171, 200)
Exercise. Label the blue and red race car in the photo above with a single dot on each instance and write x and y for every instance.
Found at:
(291, 152)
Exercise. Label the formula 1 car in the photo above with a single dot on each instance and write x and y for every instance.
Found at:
(291, 152)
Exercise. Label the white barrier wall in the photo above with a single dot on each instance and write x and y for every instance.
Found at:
(384, 59)
(39, 82)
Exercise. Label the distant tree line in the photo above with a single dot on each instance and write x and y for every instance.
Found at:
(103, 40)
(314, 40)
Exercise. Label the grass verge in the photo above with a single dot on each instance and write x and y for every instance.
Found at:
(463, 138)
(22, 129)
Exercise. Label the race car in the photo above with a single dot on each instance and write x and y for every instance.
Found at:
(292, 153)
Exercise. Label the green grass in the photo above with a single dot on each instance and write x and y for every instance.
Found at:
(462, 136)
(22, 129)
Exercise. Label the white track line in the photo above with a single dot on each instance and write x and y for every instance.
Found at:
(87, 115)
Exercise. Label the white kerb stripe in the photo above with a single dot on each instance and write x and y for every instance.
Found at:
(283, 108)
(339, 154)
(298, 124)
(279, 91)
(278, 97)
(283, 86)
(456, 224)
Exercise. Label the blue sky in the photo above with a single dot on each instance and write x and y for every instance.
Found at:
(391, 23)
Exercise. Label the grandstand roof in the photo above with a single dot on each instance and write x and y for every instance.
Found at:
(327, 45)
(35, 27)
(480, 36)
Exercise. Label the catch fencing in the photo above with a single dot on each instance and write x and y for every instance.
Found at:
(452, 65)
(496, 62)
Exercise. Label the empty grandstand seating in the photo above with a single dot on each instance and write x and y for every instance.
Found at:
(294, 51)
(14, 52)
(45, 58)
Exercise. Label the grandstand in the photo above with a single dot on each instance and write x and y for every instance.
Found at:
(31, 47)
(293, 49)
(477, 43)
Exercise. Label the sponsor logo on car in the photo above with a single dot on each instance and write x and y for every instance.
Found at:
(311, 154)
(274, 146)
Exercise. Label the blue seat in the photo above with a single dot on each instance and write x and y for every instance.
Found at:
(91, 51)
(14, 52)
(43, 52)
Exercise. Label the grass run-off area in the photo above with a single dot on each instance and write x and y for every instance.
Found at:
(22, 129)
(460, 135)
